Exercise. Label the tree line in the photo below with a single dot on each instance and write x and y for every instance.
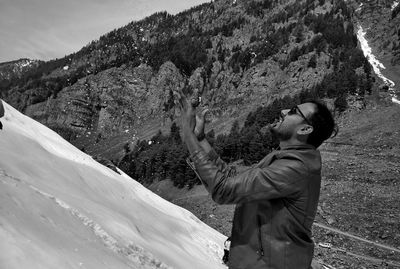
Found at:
(161, 157)
(164, 155)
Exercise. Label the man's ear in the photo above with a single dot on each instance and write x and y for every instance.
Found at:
(305, 130)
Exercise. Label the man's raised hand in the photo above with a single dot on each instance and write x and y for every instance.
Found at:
(190, 120)
(187, 110)
(200, 124)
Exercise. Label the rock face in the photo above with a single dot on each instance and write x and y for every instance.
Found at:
(381, 19)
(111, 102)
(124, 99)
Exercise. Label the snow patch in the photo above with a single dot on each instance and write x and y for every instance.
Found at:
(395, 4)
(359, 8)
(136, 254)
(61, 209)
(376, 64)
(48, 139)
(27, 63)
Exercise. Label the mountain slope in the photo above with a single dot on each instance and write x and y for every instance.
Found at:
(61, 209)
(237, 54)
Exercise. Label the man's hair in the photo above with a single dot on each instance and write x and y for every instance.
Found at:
(323, 124)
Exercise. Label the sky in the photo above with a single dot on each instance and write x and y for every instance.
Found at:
(61, 209)
(49, 29)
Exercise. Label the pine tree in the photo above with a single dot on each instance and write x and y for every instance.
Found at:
(341, 103)
(313, 61)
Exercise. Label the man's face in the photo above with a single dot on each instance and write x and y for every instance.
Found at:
(291, 120)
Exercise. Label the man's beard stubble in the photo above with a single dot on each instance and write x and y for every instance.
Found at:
(280, 134)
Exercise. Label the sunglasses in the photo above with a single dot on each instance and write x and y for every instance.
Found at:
(294, 111)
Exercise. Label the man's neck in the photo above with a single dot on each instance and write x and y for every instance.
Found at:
(291, 142)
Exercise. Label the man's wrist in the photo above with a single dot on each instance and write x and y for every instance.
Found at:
(191, 142)
(186, 132)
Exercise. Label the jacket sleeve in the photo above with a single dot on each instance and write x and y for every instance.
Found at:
(284, 177)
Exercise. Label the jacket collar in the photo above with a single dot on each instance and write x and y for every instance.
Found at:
(297, 146)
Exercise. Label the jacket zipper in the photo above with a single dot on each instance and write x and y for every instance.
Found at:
(261, 249)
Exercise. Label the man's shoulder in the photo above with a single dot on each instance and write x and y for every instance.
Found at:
(310, 158)
(303, 154)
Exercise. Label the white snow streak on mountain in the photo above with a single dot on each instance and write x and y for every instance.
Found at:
(359, 8)
(395, 3)
(61, 209)
(376, 64)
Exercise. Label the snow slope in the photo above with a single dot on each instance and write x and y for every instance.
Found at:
(61, 209)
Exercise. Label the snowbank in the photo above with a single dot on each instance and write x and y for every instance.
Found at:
(61, 209)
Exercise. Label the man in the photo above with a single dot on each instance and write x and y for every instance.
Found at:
(276, 200)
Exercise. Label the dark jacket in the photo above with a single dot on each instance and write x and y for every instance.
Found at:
(1, 113)
(276, 206)
(1, 109)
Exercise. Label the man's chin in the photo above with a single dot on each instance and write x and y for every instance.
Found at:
(279, 134)
(274, 129)
(276, 124)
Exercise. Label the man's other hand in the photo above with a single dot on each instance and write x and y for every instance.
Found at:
(187, 110)
(200, 124)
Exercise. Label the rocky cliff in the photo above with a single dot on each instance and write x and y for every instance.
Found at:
(116, 100)
(380, 20)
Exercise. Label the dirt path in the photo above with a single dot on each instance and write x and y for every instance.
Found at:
(357, 237)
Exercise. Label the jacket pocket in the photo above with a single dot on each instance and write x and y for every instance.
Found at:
(299, 256)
